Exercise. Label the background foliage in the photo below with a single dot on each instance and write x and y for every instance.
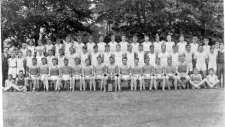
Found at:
(23, 18)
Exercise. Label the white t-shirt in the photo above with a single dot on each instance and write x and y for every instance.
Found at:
(194, 47)
(101, 46)
(12, 62)
(163, 58)
(94, 56)
(106, 58)
(40, 49)
(79, 47)
(212, 78)
(67, 48)
(57, 47)
(124, 46)
(19, 62)
(146, 45)
(157, 46)
(32, 48)
(212, 58)
(141, 56)
(206, 49)
(90, 46)
(169, 47)
(61, 61)
(84, 56)
(152, 57)
(118, 58)
(130, 58)
(175, 59)
(135, 47)
(113, 46)
(49, 59)
(49, 47)
(182, 47)
(200, 56)
(188, 57)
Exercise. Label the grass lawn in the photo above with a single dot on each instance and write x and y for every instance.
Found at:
(183, 108)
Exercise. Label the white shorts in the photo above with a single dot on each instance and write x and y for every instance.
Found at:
(148, 76)
(75, 77)
(158, 76)
(12, 71)
(65, 77)
(44, 76)
(54, 77)
(99, 76)
(33, 77)
(170, 76)
(201, 67)
(125, 77)
(88, 77)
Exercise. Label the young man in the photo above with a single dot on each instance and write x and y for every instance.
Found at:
(169, 44)
(152, 55)
(200, 58)
(212, 80)
(206, 46)
(44, 73)
(189, 57)
(94, 56)
(146, 43)
(50, 57)
(158, 78)
(157, 44)
(113, 44)
(170, 74)
(87, 75)
(175, 56)
(106, 55)
(194, 45)
(90, 44)
(124, 73)
(182, 72)
(67, 44)
(130, 56)
(76, 74)
(212, 56)
(163, 56)
(148, 75)
(196, 79)
(40, 49)
(20, 82)
(55, 74)
(182, 44)
(118, 55)
(140, 54)
(136, 71)
(99, 74)
(101, 44)
(20, 62)
(61, 58)
(65, 72)
(58, 46)
(12, 66)
(123, 44)
(33, 75)
(135, 44)
(220, 65)
(85, 55)
(49, 46)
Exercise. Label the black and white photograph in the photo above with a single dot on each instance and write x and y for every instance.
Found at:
(112, 63)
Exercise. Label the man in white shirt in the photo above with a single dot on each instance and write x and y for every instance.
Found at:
(194, 45)
(146, 43)
(212, 58)
(79, 45)
(152, 55)
(123, 44)
(107, 55)
(141, 55)
(182, 44)
(118, 55)
(200, 57)
(135, 44)
(84, 55)
(113, 44)
(206, 46)
(163, 56)
(101, 44)
(169, 44)
(90, 44)
(130, 56)
(189, 57)
(157, 44)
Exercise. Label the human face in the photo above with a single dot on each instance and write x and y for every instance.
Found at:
(34, 61)
(136, 61)
(135, 38)
(54, 61)
(101, 39)
(124, 61)
(206, 41)
(169, 61)
(66, 62)
(113, 38)
(140, 47)
(169, 38)
(181, 38)
(146, 38)
(77, 61)
(123, 38)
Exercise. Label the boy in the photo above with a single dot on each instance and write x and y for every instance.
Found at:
(90, 44)
(189, 57)
(101, 44)
(23, 49)
(118, 55)
(158, 78)
(196, 79)
(123, 44)
(99, 74)
(169, 44)
(58, 46)
(130, 56)
(163, 56)
(107, 55)
(206, 46)
(10, 83)
(157, 44)
(87, 75)
(31, 46)
(12, 65)
(67, 44)
(49, 46)
(61, 57)
(84, 55)
(182, 72)
(20, 82)
(137, 71)
(65, 72)
(146, 43)
(33, 75)
(175, 56)
(79, 45)
(135, 44)
(170, 74)
(40, 49)
(212, 80)
(50, 57)
(124, 73)
(113, 44)
(55, 74)
(112, 72)
(94, 56)
(20, 62)
(140, 54)
(182, 44)
(212, 55)
(76, 74)
(194, 45)
(148, 71)
(44, 73)
(152, 55)
(220, 64)
(200, 58)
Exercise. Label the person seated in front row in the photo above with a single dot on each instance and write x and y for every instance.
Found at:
(87, 75)
(158, 78)
(66, 72)
(196, 80)
(55, 75)
(182, 72)
(76, 74)
(148, 75)
(212, 80)
(10, 83)
(137, 72)
(124, 73)
(170, 74)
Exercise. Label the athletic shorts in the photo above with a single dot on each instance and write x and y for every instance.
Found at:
(148, 76)
(44, 76)
(88, 77)
(99, 76)
(158, 76)
(12, 71)
(75, 77)
(65, 77)
(54, 77)
(125, 77)
(137, 76)
(170, 76)
(201, 66)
